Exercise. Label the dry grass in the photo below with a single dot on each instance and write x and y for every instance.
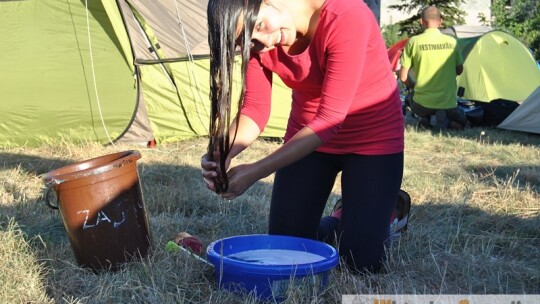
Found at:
(475, 225)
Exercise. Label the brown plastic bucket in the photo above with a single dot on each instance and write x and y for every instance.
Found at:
(101, 204)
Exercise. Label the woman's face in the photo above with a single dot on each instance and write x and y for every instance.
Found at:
(274, 26)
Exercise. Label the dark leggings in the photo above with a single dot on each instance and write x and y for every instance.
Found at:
(369, 186)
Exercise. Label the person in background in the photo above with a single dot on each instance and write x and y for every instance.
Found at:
(435, 61)
(345, 117)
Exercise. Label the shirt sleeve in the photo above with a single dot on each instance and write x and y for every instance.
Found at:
(257, 100)
(347, 43)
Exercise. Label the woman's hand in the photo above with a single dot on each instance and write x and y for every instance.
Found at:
(208, 172)
(210, 169)
(240, 179)
(243, 176)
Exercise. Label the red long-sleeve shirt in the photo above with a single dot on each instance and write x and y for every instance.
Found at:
(342, 84)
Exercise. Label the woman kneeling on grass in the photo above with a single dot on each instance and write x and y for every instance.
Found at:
(346, 117)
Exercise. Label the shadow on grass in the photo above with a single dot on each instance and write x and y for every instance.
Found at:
(165, 188)
(46, 223)
(31, 163)
(476, 247)
(456, 248)
(521, 176)
(175, 198)
(485, 135)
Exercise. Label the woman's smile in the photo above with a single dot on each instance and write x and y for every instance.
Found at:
(274, 26)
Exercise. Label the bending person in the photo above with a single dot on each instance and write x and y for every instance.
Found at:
(346, 115)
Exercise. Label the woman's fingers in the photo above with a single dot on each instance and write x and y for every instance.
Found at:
(209, 184)
(240, 179)
(207, 165)
(208, 171)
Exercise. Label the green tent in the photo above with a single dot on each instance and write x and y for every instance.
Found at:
(108, 70)
(497, 66)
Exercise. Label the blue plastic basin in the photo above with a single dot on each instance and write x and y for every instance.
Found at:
(270, 281)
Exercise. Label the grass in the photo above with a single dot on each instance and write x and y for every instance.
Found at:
(475, 224)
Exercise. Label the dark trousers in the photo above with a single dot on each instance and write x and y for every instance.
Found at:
(453, 114)
(370, 186)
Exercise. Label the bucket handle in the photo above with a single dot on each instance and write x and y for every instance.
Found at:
(50, 186)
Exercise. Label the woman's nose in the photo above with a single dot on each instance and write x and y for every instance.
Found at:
(263, 39)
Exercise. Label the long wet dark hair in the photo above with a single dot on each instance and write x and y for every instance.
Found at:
(222, 16)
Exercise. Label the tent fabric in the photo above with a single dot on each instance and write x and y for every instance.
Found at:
(171, 50)
(47, 74)
(109, 70)
(394, 53)
(498, 66)
(175, 22)
(466, 31)
(526, 117)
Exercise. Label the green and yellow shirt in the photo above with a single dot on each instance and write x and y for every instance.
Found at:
(433, 57)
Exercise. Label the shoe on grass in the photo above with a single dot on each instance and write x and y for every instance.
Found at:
(398, 221)
(338, 209)
(400, 216)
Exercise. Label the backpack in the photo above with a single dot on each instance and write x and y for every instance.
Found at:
(496, 111)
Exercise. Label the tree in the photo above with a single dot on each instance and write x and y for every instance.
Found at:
(392, 33)
(450, 12)
(521, 18)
